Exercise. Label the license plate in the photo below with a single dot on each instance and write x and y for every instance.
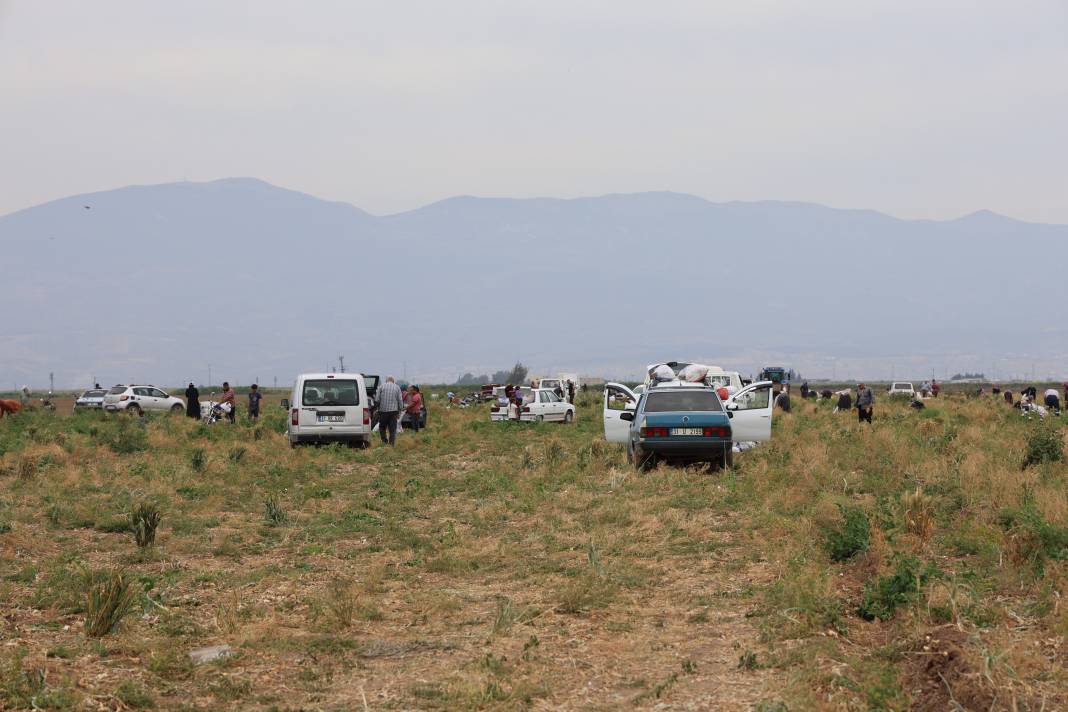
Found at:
(687, 431)
(331, 419)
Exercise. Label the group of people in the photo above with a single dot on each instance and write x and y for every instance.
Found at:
(391, 402)
(228, 402)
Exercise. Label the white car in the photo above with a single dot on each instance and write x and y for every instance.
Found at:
(539, 404)
(92, 399)
(750, 411)
(902, 388)
(141, 399)
(330, 407)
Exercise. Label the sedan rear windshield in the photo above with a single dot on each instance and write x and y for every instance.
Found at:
(331, 392)
(682, 400)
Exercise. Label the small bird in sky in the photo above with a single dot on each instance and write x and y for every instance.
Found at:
(87, 207)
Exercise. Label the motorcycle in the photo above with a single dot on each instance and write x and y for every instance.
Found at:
(213, 412)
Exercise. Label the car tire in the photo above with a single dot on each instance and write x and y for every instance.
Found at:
(644, 461)
(539, 418)
(177, 409)
(135, 409)
(569, 417)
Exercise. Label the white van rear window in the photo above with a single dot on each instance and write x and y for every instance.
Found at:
(331, 392)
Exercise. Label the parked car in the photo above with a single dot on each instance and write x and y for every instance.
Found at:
(141, 399)
(330, 407)
(92, 399)
(902, 388)
(539, 404)
(686, 422)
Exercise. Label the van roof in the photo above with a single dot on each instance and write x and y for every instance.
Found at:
(324, 376)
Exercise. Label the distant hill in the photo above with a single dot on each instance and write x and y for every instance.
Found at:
(156, 282)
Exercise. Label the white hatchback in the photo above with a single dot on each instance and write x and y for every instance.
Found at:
(902, 388)
(141, 399)
(539, 404)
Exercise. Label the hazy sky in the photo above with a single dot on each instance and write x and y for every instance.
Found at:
(920, 109)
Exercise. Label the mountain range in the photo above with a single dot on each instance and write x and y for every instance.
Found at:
(157, 283)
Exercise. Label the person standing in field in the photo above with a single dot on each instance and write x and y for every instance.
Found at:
(192, 401)
(390, 403)
(865, 403)
(935, 388)
(570, 391)
(414, 409)
(254, 398)
(230, 397)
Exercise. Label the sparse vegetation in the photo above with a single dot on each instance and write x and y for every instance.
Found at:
(513, 567)
(109, 599)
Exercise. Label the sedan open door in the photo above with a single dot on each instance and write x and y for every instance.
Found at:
(618, 399)
(750, 411)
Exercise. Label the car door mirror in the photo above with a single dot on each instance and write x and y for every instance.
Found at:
(730, 413)
(627, 415)
(285, 403)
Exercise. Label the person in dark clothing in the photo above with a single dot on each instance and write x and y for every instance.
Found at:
(783, 399)
(1030, 391)
(570, 391)
(804, 389)
(254, 398)
(1008, 397)
(192, 401)
(865, 403)
(845, 402)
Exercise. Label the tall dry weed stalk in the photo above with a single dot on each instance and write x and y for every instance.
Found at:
(918, 509)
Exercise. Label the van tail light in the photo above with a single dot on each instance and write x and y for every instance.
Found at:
(366, 416)
(293, 418)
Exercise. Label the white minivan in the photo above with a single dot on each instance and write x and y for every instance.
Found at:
(330, 407)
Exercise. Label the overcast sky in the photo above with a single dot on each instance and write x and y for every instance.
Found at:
(920, 109)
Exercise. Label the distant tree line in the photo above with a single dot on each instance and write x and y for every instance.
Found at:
(965, 376)
(518, 374)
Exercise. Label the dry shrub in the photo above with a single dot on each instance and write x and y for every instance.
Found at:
(918, 511)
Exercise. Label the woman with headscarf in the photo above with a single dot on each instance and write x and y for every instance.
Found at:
(192, 402)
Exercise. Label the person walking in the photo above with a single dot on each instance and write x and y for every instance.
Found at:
(192, 401)
(230, 397)
(254, 398)
(390, 403)
(865, 403)
(414, 408)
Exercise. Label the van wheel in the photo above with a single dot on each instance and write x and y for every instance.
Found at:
(569, 417)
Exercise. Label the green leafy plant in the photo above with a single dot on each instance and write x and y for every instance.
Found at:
(198, 459)
(851, 537)
(885, 595)
(1044, 444)
(144, 519)
(108, 601)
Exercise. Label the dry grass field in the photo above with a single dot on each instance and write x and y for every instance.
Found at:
(915, 564)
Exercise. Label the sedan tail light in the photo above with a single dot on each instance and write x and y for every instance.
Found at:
(717, 432)
(494, 409)
(293, 417)
(652, 432)
(526, 409)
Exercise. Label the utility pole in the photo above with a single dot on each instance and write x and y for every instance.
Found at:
(341, 362)
(209, 375)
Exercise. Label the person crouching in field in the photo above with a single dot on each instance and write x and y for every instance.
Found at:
(1053, 401)
(845, 402)
(865, 403)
